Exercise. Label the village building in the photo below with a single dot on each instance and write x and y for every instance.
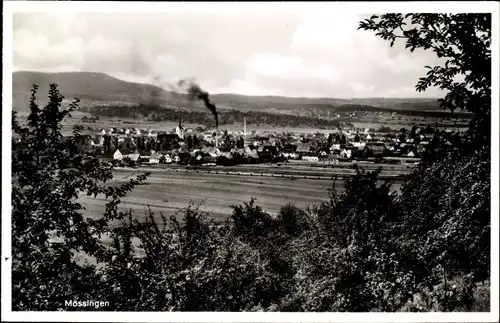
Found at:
(375, 149)
(345, 153)
(303, 149)
(310, 158)
(289, 151)
(167, 158)
(322, 153)
(208, 160)
(134, 156)
(118, 155)
(155, 157)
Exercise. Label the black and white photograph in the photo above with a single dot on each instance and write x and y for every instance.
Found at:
(240, 161)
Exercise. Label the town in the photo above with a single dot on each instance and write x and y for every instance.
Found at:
(194, 146)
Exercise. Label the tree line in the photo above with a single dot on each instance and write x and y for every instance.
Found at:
(159, 113)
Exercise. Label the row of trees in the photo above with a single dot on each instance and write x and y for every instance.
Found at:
(364, 249)
(86, 119)
(110, 143)
(159, 113)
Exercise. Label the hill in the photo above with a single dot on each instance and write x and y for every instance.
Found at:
(392, 103)
(89, 87)
(101, 89)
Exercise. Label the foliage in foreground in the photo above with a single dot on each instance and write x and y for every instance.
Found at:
(365, 249)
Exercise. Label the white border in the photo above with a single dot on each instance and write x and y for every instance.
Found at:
(361, 7)
(6, 161)
(249, 7)
(495, 149)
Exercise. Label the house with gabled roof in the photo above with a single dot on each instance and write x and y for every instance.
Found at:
(322, 152)
(155, 157)
(134, 156)
(303, 148)
(376, 149)
(208, 160)
(311, 158)
(334, 147)
(119, 154)
(289, 151)
(176, 158)
(345, 153)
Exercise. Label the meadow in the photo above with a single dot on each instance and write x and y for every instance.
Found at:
(168, 191)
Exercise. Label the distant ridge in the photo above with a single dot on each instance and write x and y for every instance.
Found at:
(94, 88)
(87, 86)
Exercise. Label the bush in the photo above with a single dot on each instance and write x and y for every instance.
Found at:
(48, 174)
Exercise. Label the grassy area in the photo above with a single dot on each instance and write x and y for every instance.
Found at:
(169, 192)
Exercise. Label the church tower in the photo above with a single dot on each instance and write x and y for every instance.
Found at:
(179, 130)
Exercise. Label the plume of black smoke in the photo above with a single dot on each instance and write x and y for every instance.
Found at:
(194, 92)
(189, 88)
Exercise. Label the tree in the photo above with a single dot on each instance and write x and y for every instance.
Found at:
(413, 131)
(48, 174)
(330, 139)
(385, 129)
(189, 142)
(196, 141)
(107, 143)
(446, 200)
(463, 41)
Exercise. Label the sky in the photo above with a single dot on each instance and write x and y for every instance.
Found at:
(311, 53)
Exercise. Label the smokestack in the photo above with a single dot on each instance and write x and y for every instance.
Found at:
(245, 124)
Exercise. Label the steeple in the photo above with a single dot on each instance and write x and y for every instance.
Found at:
(180, 130)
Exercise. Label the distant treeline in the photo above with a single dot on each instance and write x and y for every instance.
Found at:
(158, 113)
(411, 113)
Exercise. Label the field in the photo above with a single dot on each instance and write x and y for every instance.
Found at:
(168, 191)
(168, 126)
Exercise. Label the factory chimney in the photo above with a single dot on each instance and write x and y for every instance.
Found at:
(245, 124)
